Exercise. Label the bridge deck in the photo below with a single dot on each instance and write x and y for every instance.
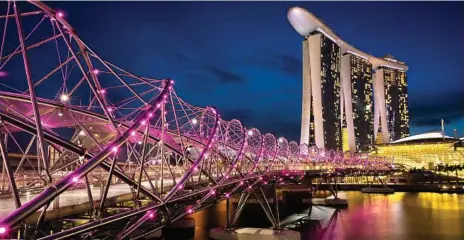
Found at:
(76, 196)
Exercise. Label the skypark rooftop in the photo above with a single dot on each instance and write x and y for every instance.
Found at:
(305, 23)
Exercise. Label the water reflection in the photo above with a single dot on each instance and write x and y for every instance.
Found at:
(212, 217)
(397, 216)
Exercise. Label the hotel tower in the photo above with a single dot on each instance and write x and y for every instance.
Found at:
(350, 99)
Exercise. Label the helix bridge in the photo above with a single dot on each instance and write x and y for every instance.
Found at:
(71, 121)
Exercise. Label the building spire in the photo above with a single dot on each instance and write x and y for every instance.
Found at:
(442, 128)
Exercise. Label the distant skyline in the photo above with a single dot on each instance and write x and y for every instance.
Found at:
(245, 58)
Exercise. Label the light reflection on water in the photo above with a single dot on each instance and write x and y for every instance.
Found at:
(397, 216)
(212, 217)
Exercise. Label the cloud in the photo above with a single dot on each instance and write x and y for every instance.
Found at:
(282, 128)
(430, 111)
(183, 58)
(265, 123)
(436, 121)
(242, 114)
(290, 64)
(207, 70)
(278, 62)
(223, 76)
(195, 80)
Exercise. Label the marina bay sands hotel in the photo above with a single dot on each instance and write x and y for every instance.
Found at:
(351, 100)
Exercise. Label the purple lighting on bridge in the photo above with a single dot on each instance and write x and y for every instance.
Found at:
(190, 211)
(181, 146)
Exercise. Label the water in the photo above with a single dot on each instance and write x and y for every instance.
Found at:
(399, 216)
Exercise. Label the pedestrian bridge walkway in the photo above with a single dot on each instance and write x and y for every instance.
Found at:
(82, 116)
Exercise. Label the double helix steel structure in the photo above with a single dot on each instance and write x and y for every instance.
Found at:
(70, 119)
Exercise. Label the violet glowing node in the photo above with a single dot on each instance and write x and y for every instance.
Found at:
(64, 97)
(194, 121)
(212, 192)
(143, 122)
(114, 149)
(133, 133)
(151, 215)
(190, 211)
(75, 179)
(96, 71)
(180, 187)
(227, 195)
(60, 14)
(2, 230)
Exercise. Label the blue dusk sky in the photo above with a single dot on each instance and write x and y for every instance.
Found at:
(245, 58)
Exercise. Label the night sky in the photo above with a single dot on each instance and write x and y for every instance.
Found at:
(245, 58)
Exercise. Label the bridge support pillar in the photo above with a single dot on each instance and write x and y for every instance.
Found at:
(332, 200)
(262, 200)
(240, 207)
(228, 223)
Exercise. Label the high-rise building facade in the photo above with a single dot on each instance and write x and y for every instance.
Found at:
(321, 112)
(357, 87)
(350, 98)
(395, 91)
